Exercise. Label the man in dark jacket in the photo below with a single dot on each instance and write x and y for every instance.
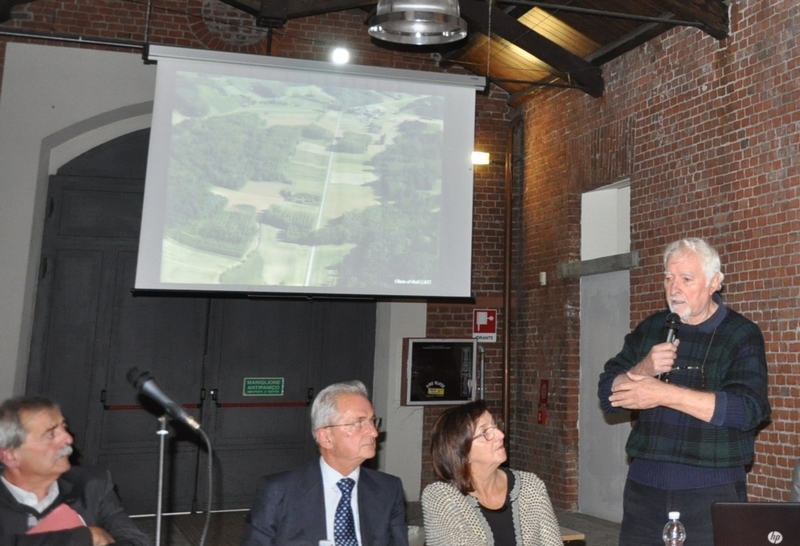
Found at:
(332, 498)
(45, 502)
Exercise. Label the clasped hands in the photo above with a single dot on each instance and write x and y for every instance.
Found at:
(639, 387)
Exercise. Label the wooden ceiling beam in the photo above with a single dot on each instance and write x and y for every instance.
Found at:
(713, 14)
(306, 8)
(584, 74)
(626, 43)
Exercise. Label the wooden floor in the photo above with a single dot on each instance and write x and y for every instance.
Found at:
(599, 532)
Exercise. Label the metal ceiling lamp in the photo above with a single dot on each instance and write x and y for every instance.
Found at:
(418, 22)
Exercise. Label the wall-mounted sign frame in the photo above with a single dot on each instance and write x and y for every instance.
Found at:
(263, 386)
(439, 371)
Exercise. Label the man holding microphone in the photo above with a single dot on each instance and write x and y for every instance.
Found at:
(700, 400)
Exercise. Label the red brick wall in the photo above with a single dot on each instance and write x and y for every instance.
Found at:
(711, 147)
(714, 153)
(545, 318)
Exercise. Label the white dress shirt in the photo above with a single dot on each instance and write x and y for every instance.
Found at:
(29, 499)
(332, 495)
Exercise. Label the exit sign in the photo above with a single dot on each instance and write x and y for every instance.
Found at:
(263, 386)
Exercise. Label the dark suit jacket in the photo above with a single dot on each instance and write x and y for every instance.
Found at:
(289, 509)
(90, 492)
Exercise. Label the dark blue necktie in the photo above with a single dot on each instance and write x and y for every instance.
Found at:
(344, 528)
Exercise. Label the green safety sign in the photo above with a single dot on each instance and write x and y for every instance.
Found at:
(263, 386)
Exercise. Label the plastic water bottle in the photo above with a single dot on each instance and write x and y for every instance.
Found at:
(674, 533)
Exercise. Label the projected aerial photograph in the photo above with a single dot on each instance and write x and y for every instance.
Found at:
(282, 184)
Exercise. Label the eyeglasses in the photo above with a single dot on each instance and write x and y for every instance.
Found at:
(490, 432)
(359, 425)
(701, 367)
(666, 377)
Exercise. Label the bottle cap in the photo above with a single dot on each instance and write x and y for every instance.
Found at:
(674, 515)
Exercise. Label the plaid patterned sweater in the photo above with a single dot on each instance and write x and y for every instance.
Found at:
(725, 354)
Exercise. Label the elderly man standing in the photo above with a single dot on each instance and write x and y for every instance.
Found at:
(700, 400)
(332, 499)
(44, 502)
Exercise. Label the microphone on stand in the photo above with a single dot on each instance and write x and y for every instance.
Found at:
(671, 326)
(146, 385)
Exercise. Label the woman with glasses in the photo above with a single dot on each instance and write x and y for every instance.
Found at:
(477, 502)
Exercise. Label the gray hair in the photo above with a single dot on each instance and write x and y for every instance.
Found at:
(707, 253)
(324, 411)
(12, 431)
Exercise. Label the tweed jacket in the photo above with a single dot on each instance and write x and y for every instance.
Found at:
(453, 519)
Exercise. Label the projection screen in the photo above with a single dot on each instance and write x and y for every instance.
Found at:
(269, 175)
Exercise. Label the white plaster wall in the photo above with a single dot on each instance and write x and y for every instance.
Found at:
(55, 104)
(401, 451)
(605, 320)
(606, 221)
(603, 464)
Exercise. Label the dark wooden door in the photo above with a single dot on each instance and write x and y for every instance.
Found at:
(299, 345)
(90, 329)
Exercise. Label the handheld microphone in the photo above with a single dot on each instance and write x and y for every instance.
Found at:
(145, 384)
(671, 326)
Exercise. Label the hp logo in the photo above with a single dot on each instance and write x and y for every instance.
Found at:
(774, 537)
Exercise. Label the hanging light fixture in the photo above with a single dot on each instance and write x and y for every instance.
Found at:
(418, 22)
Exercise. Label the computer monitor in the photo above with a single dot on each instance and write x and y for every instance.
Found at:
(756, 523)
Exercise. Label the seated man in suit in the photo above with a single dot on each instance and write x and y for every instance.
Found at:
(332, 499)
(37, 482)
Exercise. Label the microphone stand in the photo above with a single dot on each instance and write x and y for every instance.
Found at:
(210, 486)
(162, 432)
(146, 386)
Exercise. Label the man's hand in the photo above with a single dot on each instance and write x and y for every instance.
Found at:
(100, 537)
(638, 392)
(659, 360)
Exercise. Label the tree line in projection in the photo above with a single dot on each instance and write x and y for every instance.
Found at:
(398, 237)
(226, 152)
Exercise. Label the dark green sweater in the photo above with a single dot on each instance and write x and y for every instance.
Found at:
(725, 355)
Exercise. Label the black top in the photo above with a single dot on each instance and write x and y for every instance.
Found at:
(501, 521)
